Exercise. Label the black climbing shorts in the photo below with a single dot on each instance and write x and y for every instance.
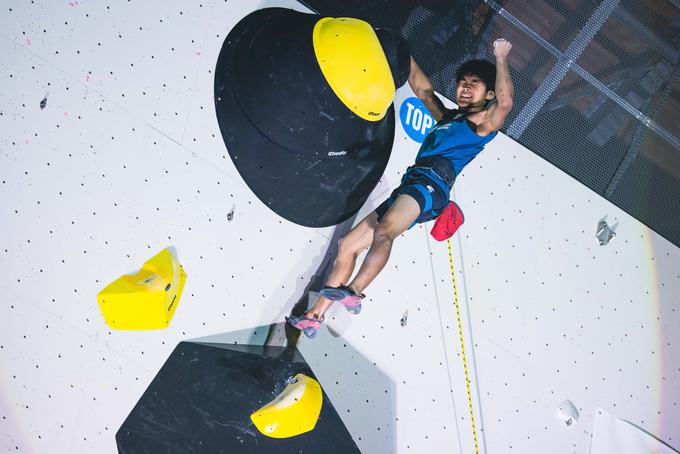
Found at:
(425, 185)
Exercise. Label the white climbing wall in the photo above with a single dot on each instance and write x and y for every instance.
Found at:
(126, 158)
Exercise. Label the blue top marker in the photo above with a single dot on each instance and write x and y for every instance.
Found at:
(415, 119)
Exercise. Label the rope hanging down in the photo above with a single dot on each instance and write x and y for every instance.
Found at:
(462, 349)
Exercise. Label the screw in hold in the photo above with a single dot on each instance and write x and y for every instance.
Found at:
(404, 319)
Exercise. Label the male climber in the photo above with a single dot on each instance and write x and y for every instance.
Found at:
(456, 139)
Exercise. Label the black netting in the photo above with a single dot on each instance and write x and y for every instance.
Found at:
(582, 132)
(649, 191)
(597, 83)
(556, 22)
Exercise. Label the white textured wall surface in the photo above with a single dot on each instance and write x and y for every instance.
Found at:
(126, 158)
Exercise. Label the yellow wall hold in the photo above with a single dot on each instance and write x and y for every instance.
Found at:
(294, 412)
(354, 65)
(146, 299)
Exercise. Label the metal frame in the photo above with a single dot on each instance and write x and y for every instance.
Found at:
(566, 61)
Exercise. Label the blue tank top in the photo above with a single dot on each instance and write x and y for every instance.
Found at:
(455, 140)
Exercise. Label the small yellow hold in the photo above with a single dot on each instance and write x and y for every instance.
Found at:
(293, 412)
(146, 299)
(355, 66)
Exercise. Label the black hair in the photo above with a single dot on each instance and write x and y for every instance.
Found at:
(483, 69)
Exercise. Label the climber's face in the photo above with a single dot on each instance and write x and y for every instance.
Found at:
(471, 92)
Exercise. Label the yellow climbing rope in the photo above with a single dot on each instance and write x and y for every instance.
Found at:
(462, 349)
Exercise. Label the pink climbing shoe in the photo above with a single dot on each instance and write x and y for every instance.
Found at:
(309, 326)
(345, 296)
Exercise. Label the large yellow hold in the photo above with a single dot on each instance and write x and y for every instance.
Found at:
(354, 65)
(294, 412)
(146, 299)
